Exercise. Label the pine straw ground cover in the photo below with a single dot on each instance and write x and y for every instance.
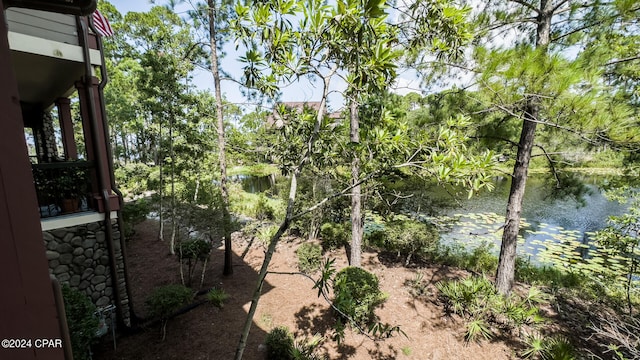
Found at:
(207, 332)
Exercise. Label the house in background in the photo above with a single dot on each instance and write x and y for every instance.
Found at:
(59, 206)
(277, 117)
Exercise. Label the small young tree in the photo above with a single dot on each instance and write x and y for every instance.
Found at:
(165, 301)
(622, 236)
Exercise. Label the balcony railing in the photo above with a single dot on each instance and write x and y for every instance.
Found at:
(63, 187)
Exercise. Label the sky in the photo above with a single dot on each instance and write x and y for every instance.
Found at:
(301, 91)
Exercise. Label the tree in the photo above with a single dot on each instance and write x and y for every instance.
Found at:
(289, 40)
(214, 17)
(535, 82)
(360, 40)
(167, 53)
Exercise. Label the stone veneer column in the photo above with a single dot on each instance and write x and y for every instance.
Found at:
(51, 149)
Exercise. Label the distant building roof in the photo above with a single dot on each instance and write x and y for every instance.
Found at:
(275, 119)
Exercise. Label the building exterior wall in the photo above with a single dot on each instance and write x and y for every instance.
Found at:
(27, 305)
(79, 257)
(42, 24)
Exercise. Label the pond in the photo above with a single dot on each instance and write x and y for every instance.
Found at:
(472, 222)
(255, 184)
(545, 219)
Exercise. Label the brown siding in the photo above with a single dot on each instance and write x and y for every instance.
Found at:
(27, 305)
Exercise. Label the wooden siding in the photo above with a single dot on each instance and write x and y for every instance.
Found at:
(27, 303)
(42, 24)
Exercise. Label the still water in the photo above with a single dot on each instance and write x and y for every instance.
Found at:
(472, 222)
(544, 218)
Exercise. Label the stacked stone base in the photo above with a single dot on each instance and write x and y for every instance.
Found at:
(78, 256)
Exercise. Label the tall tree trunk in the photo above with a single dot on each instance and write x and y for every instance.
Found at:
(172, 245)
(160, 192)
(215, 71)
(125, 146)
(505, 274)
(161, 218)
(356, 198)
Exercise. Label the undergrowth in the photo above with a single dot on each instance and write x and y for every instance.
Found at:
(488, 313)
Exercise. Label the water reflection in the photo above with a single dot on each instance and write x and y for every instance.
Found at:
(479, 220)
(256, 184)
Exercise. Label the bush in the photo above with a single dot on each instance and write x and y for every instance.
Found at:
(480, 259)
(191, 252)
(279, 344)
(406, 238)
(357, 294)
(134, 177)
(81, 319)
(133, 213)
(168, 299)
(195, 249)
(217, 297)
(263, 210)
(548, 275)
(476, 299)
(549, 348)
(334, 236)
(309, 257)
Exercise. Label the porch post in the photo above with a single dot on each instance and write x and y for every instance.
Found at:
(66, 127)
(27, 305)
(96, 147)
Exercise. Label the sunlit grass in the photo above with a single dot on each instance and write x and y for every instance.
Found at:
(254, 170)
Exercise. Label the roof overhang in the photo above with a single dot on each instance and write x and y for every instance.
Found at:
(74, 7)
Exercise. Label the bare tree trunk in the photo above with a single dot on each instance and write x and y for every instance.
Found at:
(172, 244)
(181, 269)
(356, 198)
(226, 217)
(204, 270)
(506, 264)
(314, 225)
(125, 146)
(160, 192)
(505, 274)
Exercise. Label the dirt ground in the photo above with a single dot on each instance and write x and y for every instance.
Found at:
(207, 332)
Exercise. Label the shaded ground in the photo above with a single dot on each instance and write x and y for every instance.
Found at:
(210, 333)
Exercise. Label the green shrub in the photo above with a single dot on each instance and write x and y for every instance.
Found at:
(133, 213)
(168, 299)
(309, 257)
(373, 233)
(190, 253)
(217, 297)
(134, 178)
(548, 348)
(279, 344)
(196, 249)
(357, 294)
(265, 233)
(547, 275)
(81, 319)
(476, 299)
(334, 236)
(406, 238)
(307, 349)
(263, 210)
(482, 259)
